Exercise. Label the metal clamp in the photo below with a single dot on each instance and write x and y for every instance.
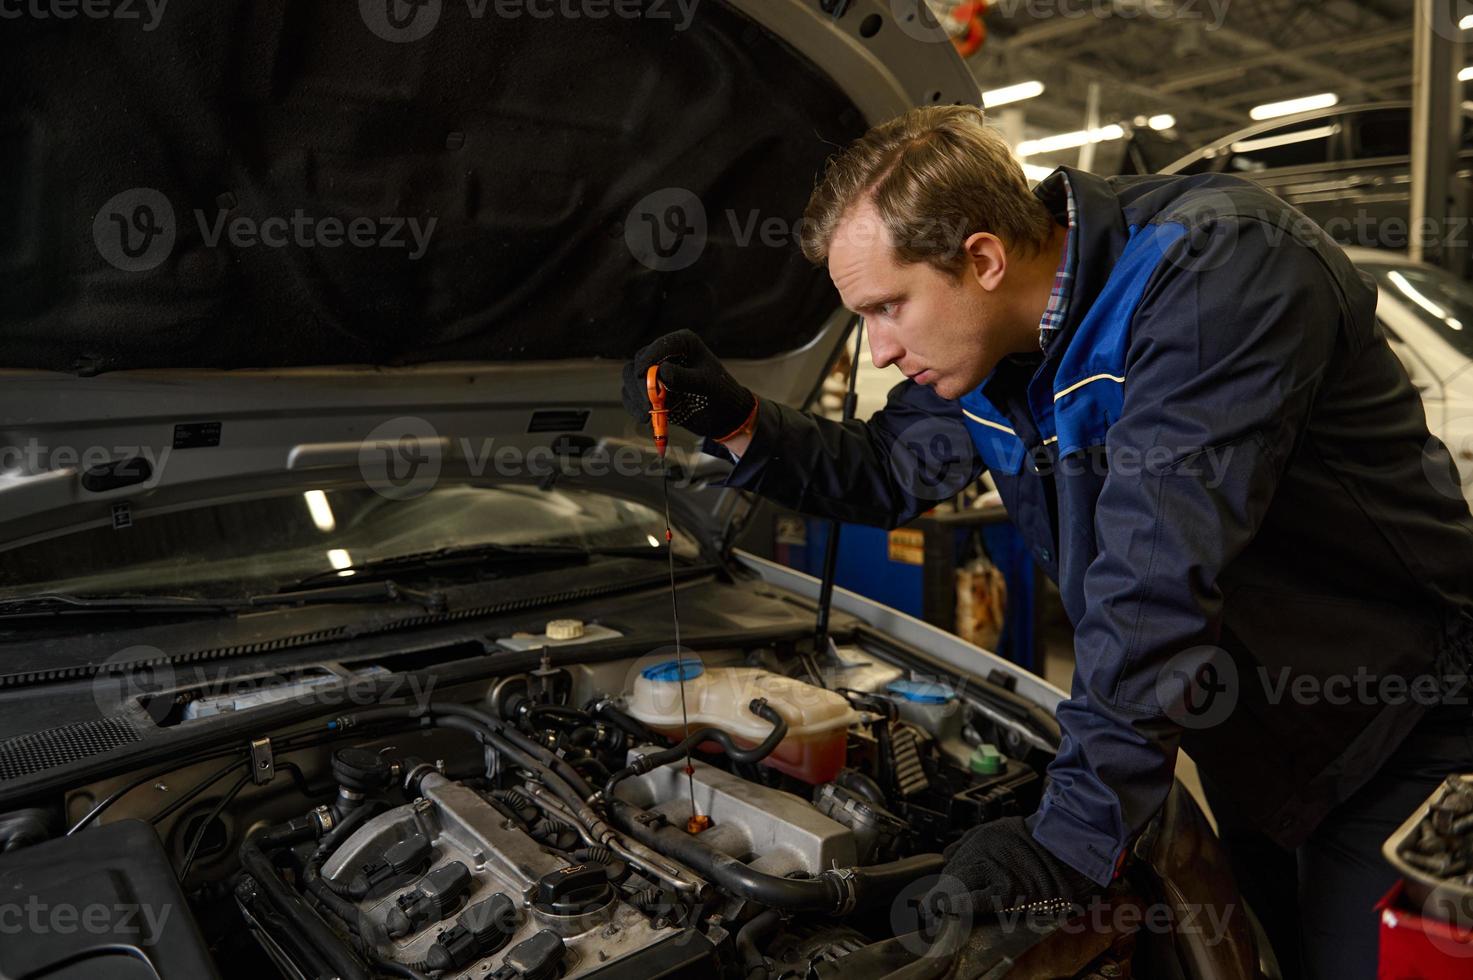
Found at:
(263, 763)
(844, 879)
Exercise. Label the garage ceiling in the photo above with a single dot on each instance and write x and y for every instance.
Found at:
(1206, 62)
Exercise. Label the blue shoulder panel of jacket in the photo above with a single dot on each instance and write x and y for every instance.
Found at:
(1089, 384)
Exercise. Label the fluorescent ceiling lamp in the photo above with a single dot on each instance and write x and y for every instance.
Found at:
(320, 510)
(1068, 141)
(1036, 173)
(1011, 93)
(1163, 121)
(1272, 110)
(1282, 139)
(340, 559)
(1466, 22)
(1466, 74)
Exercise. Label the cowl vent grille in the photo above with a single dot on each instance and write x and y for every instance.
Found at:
(39, 751)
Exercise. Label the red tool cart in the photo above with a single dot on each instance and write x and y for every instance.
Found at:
(1427, 918)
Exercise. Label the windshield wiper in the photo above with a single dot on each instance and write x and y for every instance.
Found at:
(383, 590)
(480, 554)
(51, 604)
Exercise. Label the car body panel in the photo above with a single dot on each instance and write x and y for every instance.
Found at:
(1436, 367)
(1352, 176)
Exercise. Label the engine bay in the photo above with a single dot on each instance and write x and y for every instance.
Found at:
(560, 822)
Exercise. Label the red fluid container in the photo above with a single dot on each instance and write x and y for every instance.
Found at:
(818, 720)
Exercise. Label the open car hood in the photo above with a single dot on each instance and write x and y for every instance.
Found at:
(253, 235)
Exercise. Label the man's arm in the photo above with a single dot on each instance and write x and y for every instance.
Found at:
(1228, 350)
(910, 456)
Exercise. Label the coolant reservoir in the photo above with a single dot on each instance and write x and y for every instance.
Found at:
(818, 720)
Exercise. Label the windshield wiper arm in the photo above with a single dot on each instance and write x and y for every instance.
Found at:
(55, 603)
(383, 590)
(459, 557)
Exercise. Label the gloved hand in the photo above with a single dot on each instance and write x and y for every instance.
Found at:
(1003, 867)
(703, 397)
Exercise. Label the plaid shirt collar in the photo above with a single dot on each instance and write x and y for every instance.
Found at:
(1058, 300)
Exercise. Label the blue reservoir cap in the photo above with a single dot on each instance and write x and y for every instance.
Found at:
(920, 692)
(674, 671)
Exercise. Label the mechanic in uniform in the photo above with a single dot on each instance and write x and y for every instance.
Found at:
(1181, 391)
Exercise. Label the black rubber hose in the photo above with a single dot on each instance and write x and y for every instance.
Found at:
(507, 732)
(398, 969)
(833, 891)
(750, 939)
(312, 875)
(587, 761)
(553, 771)
(756, 753)
(345, 910)
(857, 782)
(574, 717)
(511, 743)
(941, 955)
(552, 780)
(253, 861)
(628, 724)
(285, 932)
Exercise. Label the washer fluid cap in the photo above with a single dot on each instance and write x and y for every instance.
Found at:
(674, 671)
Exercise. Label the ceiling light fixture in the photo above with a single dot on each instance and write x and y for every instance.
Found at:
(1272, 110)
(1011, 93)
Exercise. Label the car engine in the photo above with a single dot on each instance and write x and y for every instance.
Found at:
(561, 823)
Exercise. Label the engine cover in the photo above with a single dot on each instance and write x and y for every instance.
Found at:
(463, 827)
(104, 902)
(773, 831)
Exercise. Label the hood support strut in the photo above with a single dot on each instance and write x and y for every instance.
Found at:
(831, 546)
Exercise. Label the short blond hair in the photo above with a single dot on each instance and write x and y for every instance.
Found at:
(936, 176)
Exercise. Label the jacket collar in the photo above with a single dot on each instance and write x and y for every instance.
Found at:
(1101, 238)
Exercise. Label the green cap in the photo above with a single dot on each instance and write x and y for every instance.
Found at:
(987, 761)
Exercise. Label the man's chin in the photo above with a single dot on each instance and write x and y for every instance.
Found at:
(948, 389)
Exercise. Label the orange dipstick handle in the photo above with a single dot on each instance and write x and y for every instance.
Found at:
(659, 414)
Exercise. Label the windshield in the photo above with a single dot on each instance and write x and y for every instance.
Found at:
(1440, 299)
(248, 546)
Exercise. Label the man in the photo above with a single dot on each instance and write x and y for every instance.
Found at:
(1185, 400)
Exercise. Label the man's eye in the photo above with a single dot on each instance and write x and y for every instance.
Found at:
(888, 309)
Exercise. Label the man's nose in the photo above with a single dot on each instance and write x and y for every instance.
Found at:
(882, 350)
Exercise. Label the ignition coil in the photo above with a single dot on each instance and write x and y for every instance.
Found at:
(407, 855)
(536, 958)
(438, 893)
(480, 931)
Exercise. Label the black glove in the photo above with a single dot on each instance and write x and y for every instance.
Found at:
(702, 397)
(1003, 867)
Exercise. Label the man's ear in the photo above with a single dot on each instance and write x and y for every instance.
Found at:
(987, 260)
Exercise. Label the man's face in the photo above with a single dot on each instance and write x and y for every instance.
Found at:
(946, 331)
